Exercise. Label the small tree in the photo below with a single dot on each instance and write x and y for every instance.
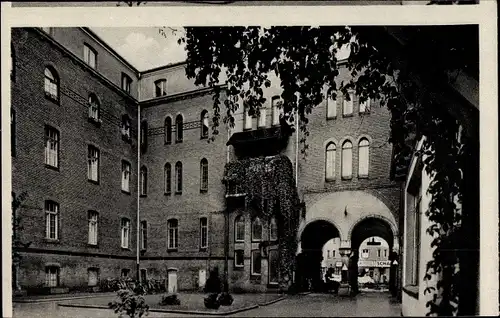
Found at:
(17, 243)
(130, 303)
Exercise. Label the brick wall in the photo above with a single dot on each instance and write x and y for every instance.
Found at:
(68, 185)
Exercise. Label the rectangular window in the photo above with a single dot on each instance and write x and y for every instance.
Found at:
(144, 235)
(93, 227)
(12, 132)
(378, 253)
(125, 176)
(385, 253)
(89, 56)
(239, 258)
(331, 107)
(248, 119)
(125, 272)
(364, 107)
(93, 164)
(276, 105)
(333, 253)
(52, 276)
(173, 234)
(144, 275)
(126, 82)
(273, 266)
(93, 274)
(125, 127)
(256, 262)
(51, 220)
(125, 233)
(262, 117)
(347, 109)
(51, 147)
(365, 253)
(161, 87)
(203, 233)
(328, 254)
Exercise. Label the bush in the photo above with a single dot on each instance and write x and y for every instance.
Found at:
(170, 299)
(213, 284)
(212, 301)
(225, 299)
(129, 304)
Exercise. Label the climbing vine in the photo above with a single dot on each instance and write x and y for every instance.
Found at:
(409, 80)
(269, 188)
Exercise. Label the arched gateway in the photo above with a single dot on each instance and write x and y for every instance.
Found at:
(352, 216)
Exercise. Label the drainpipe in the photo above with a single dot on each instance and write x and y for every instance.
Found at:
(297, 149)
(138, 184)
(226, 236)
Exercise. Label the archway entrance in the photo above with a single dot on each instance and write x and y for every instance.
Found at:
(309, 261)
(363, 235)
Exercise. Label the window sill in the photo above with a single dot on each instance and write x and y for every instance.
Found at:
(178, 192)
(92, 245)
(170, 250)
(167, 143)
(51, 167)
(255, 276)
(348, 115)
(126, 249)
(239, 241)
(331, 118)
(167, 194)
(239, 267)
(329, 180)
(256, 241)
(203, 191)
(411, 290)
(203, 249)
(143, 196)
(126, 192)
(52, 241)
(52, 98)
(178, 141)
(93, 181)
(346, 178)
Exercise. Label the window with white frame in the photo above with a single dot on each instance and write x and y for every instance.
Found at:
(203, 233)
(256, 262)
(239, 229)
(347, 106)
(89, 56)
(51, 220)
(364, 107)
(52, 276)
(167, 174)
(126, 82)
(51, 84)
(160, 87)
(257, 229)
(144, 181)
(93, 227)
(204, 124)
(125, 126)
(168, 130)
(347, 160)
(94, 108)
(51, 147)
(331, 107)
(178, 177)
(126, 176)
(179, 134)
(277, 108)
(364, 157)
(173, 234)
(239, 258)
(204, 175)
(125, 224)
(331, 151)
(262, 117)
(93, 164)
(273, 229)
(144, 235)
(247, 118)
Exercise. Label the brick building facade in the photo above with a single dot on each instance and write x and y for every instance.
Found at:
(182, 204)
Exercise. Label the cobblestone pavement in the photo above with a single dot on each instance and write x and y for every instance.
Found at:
(312, 305)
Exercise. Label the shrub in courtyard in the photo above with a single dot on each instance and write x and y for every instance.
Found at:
(212, 301)
(130, 304)
(170, 299)
(225, 299)
(213, 284)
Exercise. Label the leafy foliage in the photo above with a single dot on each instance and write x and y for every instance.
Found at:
(212, 301)
(130, 303)
(411, 82)
(269, 186)
(169, 300)
(17, 228)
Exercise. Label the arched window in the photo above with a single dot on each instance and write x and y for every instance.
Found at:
(273, 229)
(125, 127)
(168, 130)
(173, 234)
(93, 108)
(144, 181)
(330, 161)
(239, 229)
(204, 175)
(204, 124)
(178, 128)
(257, 229)
(347, 160)
(364, 157)
(167, 175)
(51, 84)
(178, 177)
(347, 107)
(144, 136)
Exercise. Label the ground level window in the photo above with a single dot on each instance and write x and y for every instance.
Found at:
(52, 276)
(144, 275)
(256, 264)
(273, 266)
(93, 276)
(239, 260)
(125, 272)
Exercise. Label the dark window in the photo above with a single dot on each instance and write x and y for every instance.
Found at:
(204, 124)
(144, 181)
(168, 130)
(273, 266)
(239, 229)
(178, 177)
(94, 108)
(256, 229)
(203, 233)
(168, 178)
(89, 56)
(178, 128)
(126, 82)
(239, 258)
(52, 276)
(173, 234)
(204, 175)
(160, 87)
(144, 135)
(256, 262)
(144, 235)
